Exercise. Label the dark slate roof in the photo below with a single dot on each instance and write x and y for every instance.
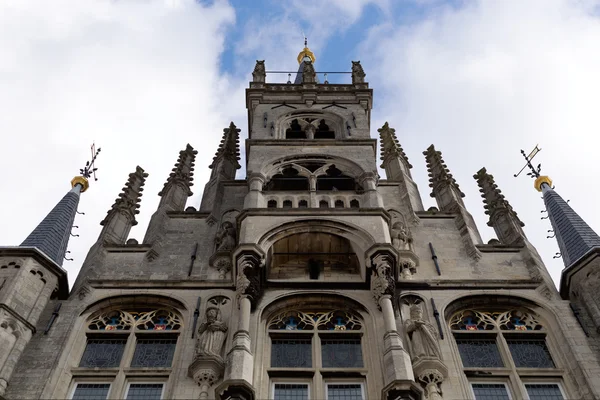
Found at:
(575, 237)
(51, 236)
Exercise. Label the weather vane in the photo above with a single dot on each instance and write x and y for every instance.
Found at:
(90, 168)
(535, 171)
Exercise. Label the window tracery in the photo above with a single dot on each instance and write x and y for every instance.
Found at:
(147, 320)
(511, 320)
(334, 320)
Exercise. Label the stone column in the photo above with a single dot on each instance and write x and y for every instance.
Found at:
(396, 359)
(255, 198)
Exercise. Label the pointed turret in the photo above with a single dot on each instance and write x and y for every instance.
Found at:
(503, 218)
(174, 194)
(224, 166)
(52, 235)
(396, 165)
(306, 70)
(449, 199)
(121, 217)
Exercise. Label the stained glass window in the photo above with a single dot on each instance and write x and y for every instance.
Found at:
(91, 391)
(341, 353)
(479, 353)
(144, 391)
(291, 353)
(103, 353)
(531, 353)
(344, 392)
(290, 391)
(511, 320)
(544, 391)
(490, 391)
(336, 320)
(154, 353)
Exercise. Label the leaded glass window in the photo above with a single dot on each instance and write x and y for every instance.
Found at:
(144, 391)
(91, 391)
(290, 391)
(530, 353)
(490, 391)
(341, 353)
(476, 352)
(344, 392)
(103, 353)
(292, 353)
(154, 353)
(544, 391)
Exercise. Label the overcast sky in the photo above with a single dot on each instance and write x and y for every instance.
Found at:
(142, 78)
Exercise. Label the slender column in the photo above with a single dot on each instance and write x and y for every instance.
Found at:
(244, 318)
(389, 321)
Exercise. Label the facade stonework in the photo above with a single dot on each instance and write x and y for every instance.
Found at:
(313, 277)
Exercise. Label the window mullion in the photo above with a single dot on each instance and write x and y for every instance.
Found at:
(517, 385)
(318, 385)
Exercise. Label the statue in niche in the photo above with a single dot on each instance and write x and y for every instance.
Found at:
(225, 238)
(211, 334)
(422, 335)
(400, 236)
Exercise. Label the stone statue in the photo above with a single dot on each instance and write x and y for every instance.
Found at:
(358, 73)
(225, 238)
(422, 335)
(259, 74)
(308, 73)
(211, 334)
(400, 238)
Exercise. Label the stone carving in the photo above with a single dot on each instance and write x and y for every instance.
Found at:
(382, 279)
(259, 74)
(211, 334)
(400, 236)
(358, 73)
(422, 335)
(308, 73)
(431, 379)
(225, 238)
(249, 282)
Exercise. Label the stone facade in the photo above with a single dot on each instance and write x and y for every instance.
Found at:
(313, 241)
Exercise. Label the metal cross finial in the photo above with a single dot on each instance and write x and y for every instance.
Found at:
(90, 168)
(535, 172)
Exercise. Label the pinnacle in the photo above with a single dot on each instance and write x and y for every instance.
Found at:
(390, 145)
(493, 198)
(229, 148)
(183, 172)
(438, 171)
(130, 196)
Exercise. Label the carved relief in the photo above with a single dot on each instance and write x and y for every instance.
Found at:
(382, 278)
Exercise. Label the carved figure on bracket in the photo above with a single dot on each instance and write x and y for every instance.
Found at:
(400, 236)
(249, 282)
(225, 238)
(382, 279)
(211, 334)
(422, 335)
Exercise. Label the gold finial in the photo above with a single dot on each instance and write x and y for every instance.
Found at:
(80, 180)
(542, 179)
(306, 53)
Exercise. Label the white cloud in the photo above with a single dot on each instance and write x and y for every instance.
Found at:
(487, 79)
(140, 78)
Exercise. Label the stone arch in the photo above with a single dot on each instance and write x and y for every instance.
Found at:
(142, 300)
(313, 164)
(308, 121)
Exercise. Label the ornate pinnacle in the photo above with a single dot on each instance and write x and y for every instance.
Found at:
(493, 198)
(390, 147)
(439, 174)
(129, 199)
(183, 173)
(229, 148)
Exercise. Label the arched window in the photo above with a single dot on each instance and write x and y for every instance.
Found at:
(502, 346)
(295, 131)
(335, 180)
(310, 347)
(288, 179)
(272, 204)
(339, 204)
(287, 204)
(303, 204)
(323, 131)
(129, 339)
(354, 204)
(323, 204)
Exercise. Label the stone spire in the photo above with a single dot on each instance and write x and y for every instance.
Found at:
(503, 218)
(177, 188)
(52, 235)
(449, 199)
(121, 217)
(397, 167)
(574, 236)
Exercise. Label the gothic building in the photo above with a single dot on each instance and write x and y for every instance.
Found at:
(312, 278)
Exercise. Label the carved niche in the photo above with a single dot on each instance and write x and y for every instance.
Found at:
(225, 243)
(403, 242)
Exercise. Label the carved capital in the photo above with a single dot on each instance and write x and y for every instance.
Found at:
(249, 281)
(382, 276)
